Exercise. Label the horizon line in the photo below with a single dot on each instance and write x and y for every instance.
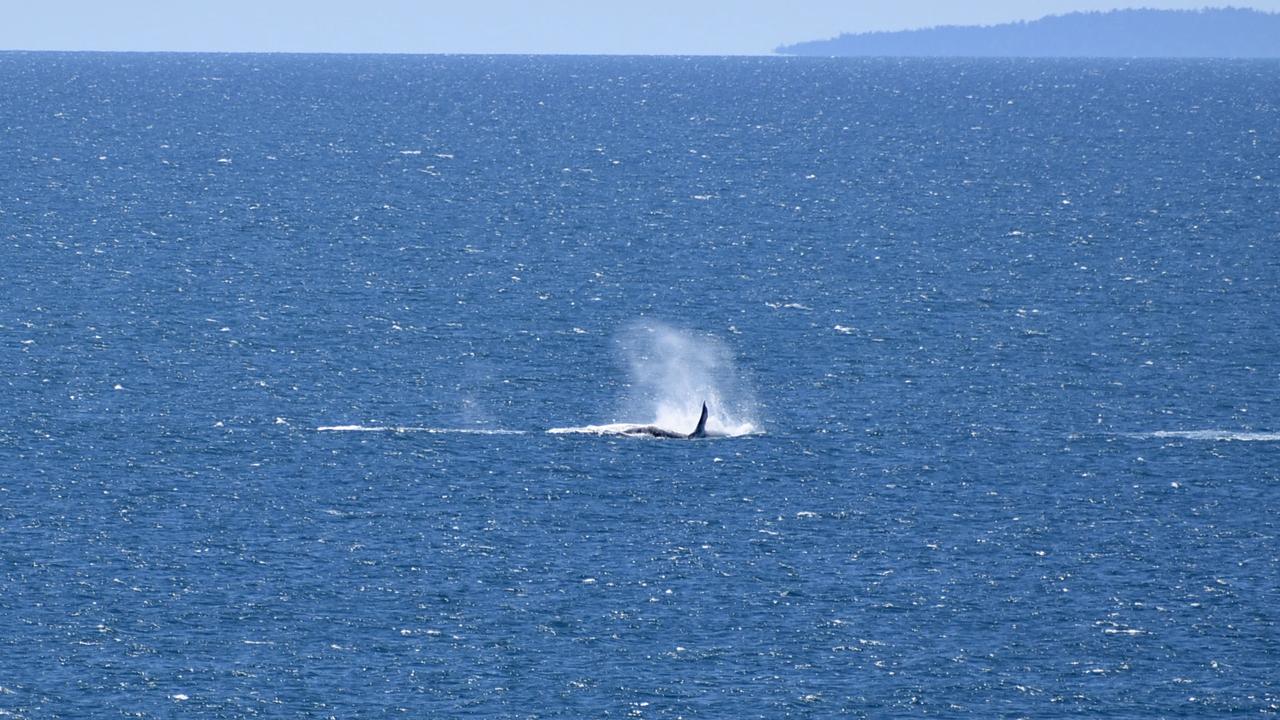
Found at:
(512, 54)
(423, 53)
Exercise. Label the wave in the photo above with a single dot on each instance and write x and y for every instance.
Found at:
(405, 429)
(1221, 435)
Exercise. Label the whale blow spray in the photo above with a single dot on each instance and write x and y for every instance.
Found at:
(674, 371)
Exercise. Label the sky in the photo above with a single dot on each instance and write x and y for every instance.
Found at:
(645, 27)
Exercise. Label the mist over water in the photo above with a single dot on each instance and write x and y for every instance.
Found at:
(674, 370)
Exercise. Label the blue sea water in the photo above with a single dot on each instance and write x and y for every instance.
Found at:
(993, 344)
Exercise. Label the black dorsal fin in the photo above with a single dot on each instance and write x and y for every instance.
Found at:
(701, 430)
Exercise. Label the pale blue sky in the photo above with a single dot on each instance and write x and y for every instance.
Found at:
(497, 26)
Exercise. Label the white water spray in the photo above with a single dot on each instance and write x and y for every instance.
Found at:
(674, 371)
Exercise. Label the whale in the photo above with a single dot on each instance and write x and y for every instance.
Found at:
(699, 432)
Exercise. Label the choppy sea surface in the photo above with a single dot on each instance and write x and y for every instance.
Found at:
(990, 349)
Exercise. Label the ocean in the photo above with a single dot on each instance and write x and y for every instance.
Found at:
(315, 368)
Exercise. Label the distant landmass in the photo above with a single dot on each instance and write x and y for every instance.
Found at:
(1209, 33)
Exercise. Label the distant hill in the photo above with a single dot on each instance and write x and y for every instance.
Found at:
(1217, 33)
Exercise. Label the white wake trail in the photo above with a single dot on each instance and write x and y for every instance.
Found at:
(1217, 435)
(407, 429)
